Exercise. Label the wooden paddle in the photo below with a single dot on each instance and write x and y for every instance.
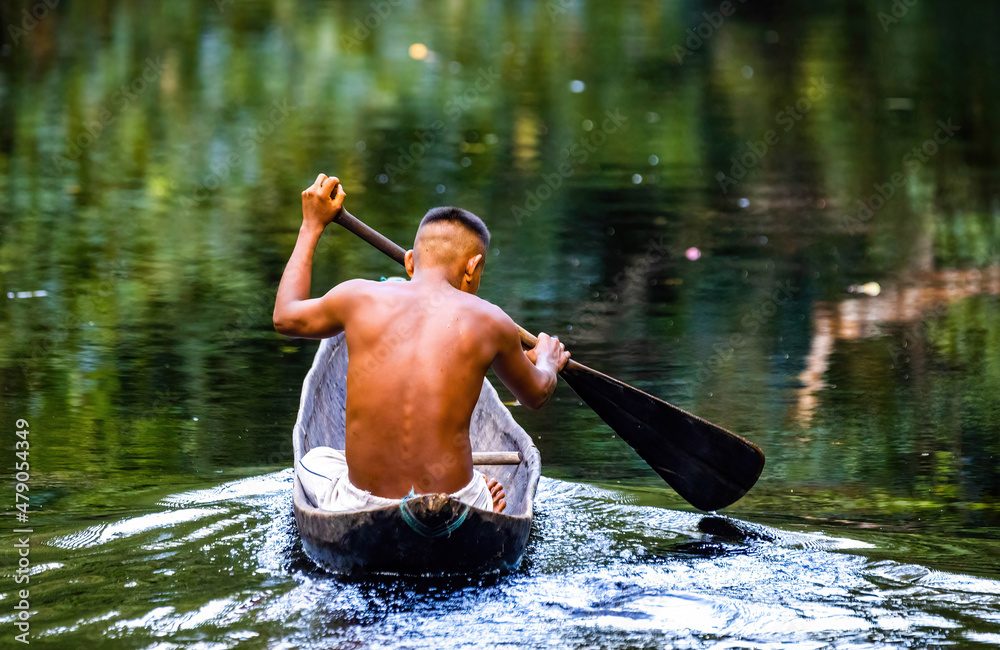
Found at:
(707, 465)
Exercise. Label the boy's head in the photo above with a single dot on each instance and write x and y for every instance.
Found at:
(452, 240)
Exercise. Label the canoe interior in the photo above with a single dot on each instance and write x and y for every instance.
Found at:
(379, 540)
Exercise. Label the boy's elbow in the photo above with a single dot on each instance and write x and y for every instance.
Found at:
(533, 404)
(539, 398)
(283, 325)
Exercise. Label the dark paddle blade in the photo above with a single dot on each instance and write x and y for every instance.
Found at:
(708, 466)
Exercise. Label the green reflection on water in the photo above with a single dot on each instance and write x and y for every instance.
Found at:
(158, 218)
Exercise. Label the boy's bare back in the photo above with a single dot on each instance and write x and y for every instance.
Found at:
(418, 355)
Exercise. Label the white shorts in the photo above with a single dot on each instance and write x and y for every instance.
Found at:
(322, 473)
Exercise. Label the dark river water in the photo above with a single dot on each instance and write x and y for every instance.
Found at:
(785, 219)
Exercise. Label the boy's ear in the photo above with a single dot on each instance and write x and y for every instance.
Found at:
(408, 262)
(475, 261)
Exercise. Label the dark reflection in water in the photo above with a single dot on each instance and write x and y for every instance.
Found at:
(789, 225)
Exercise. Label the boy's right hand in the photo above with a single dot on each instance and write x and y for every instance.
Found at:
(322, 201)
(549, 353)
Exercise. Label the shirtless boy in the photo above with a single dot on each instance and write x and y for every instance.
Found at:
(419, 352)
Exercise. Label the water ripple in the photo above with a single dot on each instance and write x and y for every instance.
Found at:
(104, 533)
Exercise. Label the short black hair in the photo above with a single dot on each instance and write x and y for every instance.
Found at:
(462, 217)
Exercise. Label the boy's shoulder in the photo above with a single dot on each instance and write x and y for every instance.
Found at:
(358, 286)
(489, 311)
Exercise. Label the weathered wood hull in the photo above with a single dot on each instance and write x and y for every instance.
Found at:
(429, 534)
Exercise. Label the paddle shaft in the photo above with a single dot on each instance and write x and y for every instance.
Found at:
(370, 235)
(396, 252)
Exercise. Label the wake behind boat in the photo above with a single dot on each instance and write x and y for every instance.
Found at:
(427, 534)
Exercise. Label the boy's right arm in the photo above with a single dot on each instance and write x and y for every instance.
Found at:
(295, 313)
(532, 377)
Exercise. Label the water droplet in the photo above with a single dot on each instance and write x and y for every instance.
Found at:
(466, 161)
(654, 160)
(744, 202)
(588, 125)
(636, 179)
(747, 72)
(692, 254)
(440, 189)
(577, 86)
(382, 178)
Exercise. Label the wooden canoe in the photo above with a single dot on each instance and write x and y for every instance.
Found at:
(425, 535)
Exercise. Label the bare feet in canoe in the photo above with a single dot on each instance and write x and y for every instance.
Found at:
(499, 495)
